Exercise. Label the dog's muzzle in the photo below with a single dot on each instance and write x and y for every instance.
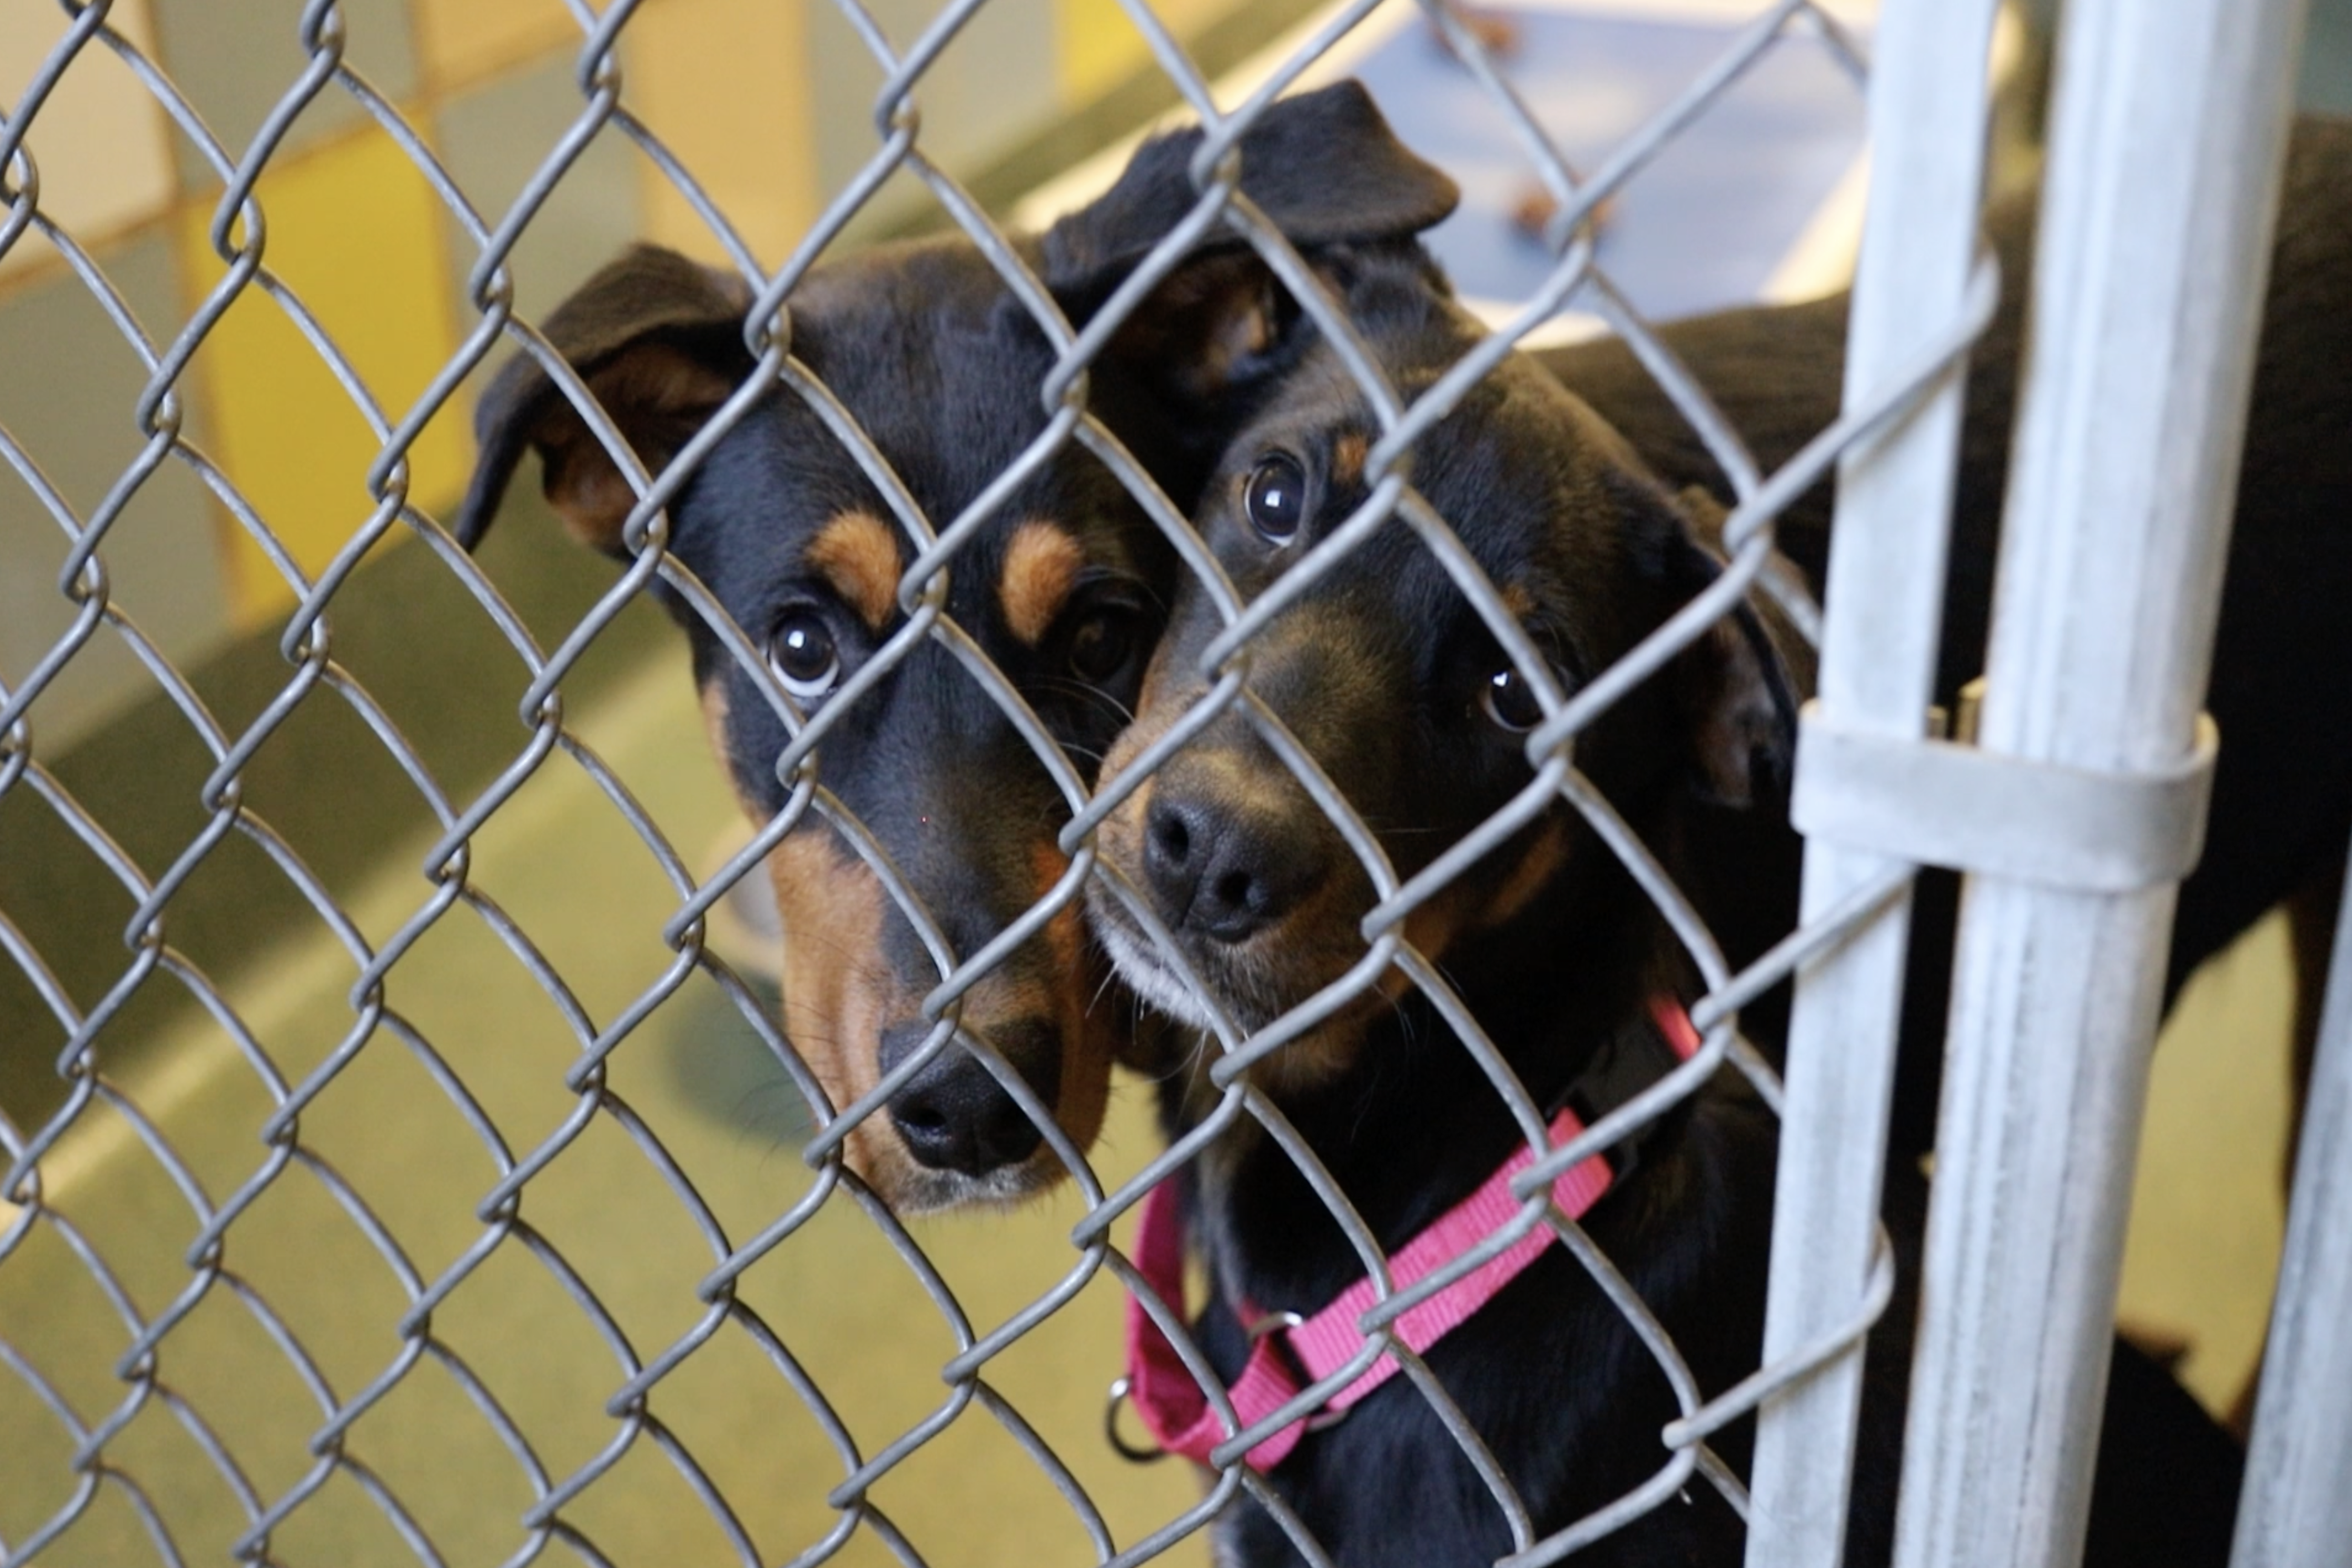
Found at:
(953, 1114)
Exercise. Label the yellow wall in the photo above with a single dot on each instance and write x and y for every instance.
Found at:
(354, 230)
(722, 83)
(1101, 48)
(99, 137)
(731, 85)
(464, 40)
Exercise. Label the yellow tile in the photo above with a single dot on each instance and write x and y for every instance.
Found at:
(725, 85)
(1099, 48)
(465, 41)
(99, 137)
(355, 232)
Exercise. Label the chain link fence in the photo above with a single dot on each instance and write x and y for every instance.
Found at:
(639, 1413)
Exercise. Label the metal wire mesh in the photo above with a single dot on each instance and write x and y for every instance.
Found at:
(153, 1337)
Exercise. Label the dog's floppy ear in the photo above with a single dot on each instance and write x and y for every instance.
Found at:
(659, 339)
(1738, 685)
(1324, 167)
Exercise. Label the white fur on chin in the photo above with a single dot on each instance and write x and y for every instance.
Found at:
(1150, 979)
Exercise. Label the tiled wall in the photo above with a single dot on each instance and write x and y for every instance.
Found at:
(767, 102)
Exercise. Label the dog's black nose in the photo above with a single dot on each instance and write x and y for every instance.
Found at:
(1222, 869)
(953, 1115)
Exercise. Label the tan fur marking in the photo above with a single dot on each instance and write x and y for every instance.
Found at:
(1535, 872)
(1166, 693)
(714, 725)
(1092, 1037)
(1518, 600)
(1312, 945)
(1041, 567)
(1212, 314)
(838, 992)
(1056, 977)
(840, 995)
(714, 721)
(657, 397)
(1243, 332)
(1348, 459)
(858, 555)
(1433, 929)
(1047, 866)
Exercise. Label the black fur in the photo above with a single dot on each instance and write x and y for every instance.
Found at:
(1379, 669)
(924, 346)
(926, 349)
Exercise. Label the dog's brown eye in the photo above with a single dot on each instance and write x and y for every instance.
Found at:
(1103, 644)
(1277, 498)
(802, 653)
(1510, 700)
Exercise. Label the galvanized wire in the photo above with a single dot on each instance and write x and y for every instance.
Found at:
(641, 1373)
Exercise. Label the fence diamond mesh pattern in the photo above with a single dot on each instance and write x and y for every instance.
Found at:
(134, 1406)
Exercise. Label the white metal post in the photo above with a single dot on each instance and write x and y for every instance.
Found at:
(2297, 1511)
(2168, 126)
(1928, 106)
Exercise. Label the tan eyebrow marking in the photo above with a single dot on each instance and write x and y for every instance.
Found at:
(1518, 600)
(1348, 458)
(1536, 868)
(1041, 568)
(858, 555)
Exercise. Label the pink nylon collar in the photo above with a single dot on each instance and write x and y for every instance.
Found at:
(1170, 1401)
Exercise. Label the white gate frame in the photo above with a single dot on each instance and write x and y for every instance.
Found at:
(1883, 608)
(2296, 1511)
(2167, 132)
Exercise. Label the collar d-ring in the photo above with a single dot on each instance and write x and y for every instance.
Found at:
(1272, 1324)
(1132, 1453)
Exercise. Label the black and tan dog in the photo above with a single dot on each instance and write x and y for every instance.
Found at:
(1390, 680)
(930, 353)
(1061, 590)
(1393, 682)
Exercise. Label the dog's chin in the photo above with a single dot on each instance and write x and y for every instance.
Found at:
(920, 1192)
(1140, 967)
(1244, 983)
